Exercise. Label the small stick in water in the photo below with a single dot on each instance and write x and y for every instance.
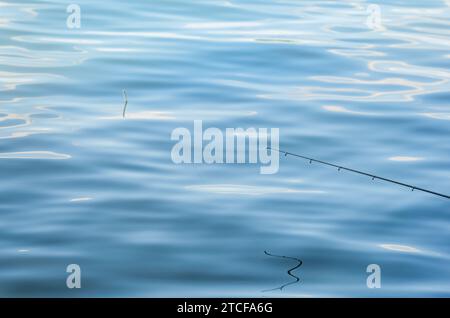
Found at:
(125, 98)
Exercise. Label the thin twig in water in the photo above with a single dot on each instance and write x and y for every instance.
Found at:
(125, 98)
(374, 177)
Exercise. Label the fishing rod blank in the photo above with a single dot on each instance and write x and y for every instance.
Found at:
(311, 160)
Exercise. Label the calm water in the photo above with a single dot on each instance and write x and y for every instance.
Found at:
(81, 185)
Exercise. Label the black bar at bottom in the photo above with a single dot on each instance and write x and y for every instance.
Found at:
(209, 307)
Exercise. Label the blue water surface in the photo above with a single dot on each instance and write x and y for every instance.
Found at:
(82, 185)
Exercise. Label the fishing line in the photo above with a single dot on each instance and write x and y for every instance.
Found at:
(300, 262)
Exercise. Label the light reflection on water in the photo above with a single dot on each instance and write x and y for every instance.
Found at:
(138, 225)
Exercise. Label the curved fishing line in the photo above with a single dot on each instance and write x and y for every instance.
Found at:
(311, 160)
(300, 262)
